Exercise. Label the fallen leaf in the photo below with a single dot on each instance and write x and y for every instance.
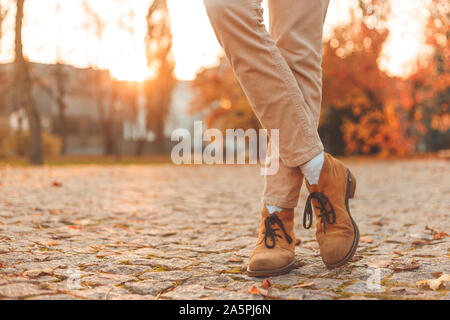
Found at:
(74, 227)
(38, 273)
(52, 244)
(398, 290)
(434, 284)
(421, 242)
(56, 184)
(254, 290)
(414, 260)
(408, 267)
(380, 222)
(440, 235)
(220, 289)
(42, 259)
(405, 291)
(356, 258)
(366, 239)
(266, 284)
(124, 227)
(437, 274)
(398, 253)
(379, 264)
(303, 285)
(235, 260)
(430, 229)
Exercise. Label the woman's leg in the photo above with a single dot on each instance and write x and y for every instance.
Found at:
(299, 38)
(266, 77)
(279, 103)
(296, 26)
(297, 29)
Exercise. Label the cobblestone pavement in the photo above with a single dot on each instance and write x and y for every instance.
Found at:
(166, 232)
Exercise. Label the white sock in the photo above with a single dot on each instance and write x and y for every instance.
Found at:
(273, 209)
(312, 169)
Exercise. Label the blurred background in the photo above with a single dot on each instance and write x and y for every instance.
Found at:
(114, 78)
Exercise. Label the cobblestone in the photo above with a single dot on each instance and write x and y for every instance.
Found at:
(166, 232)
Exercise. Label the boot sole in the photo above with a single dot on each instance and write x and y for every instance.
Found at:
(350, 193)
(271, 272)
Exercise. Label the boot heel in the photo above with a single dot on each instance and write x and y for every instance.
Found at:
(352, 185)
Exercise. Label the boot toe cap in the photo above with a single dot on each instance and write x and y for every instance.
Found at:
(336, 251)
(270, 260)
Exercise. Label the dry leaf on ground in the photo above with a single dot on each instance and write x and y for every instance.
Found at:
(407, 267)
(38, 273)
(266, 284)
(380, 222)
(437, 274)
(433, 231)
(356, 258)
(379, 264)
(303, 285)
(421, 242)
(440, 235)
(366, 239)
(254, 290)
(56, 184)
(435, 284)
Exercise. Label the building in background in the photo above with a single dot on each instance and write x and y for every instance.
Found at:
(83, 120)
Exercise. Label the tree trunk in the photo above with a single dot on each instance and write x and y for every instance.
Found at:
(62, 126)
(108, 138)
(159, 137)
(61, 103)
(106, 117)
(140, 144)
(24, 92)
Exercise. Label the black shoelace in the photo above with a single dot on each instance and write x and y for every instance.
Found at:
(271, 233)
(326, 215)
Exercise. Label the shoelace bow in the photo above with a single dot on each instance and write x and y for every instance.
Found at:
(271, 233)
(326, 216)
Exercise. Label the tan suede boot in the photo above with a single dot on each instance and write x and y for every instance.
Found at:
(274, 251)
(336, 231)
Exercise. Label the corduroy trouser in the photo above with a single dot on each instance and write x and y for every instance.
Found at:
(280, 71)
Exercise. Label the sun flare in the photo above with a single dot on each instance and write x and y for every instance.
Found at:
(194, 42)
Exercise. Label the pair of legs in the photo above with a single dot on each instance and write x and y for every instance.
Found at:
(280, 71)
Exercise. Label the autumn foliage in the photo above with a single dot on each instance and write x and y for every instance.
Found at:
(364, 110)
(221, 99)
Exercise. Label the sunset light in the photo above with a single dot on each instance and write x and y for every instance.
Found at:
(138, 158)
(122, 50)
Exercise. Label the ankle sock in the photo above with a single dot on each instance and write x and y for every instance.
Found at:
(273, 209)
(311, 169)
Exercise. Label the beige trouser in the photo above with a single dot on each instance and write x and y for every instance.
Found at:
(281, 75)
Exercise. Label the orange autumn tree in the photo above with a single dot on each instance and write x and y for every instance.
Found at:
(358, 98)
(425, 94)
(218, 95)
